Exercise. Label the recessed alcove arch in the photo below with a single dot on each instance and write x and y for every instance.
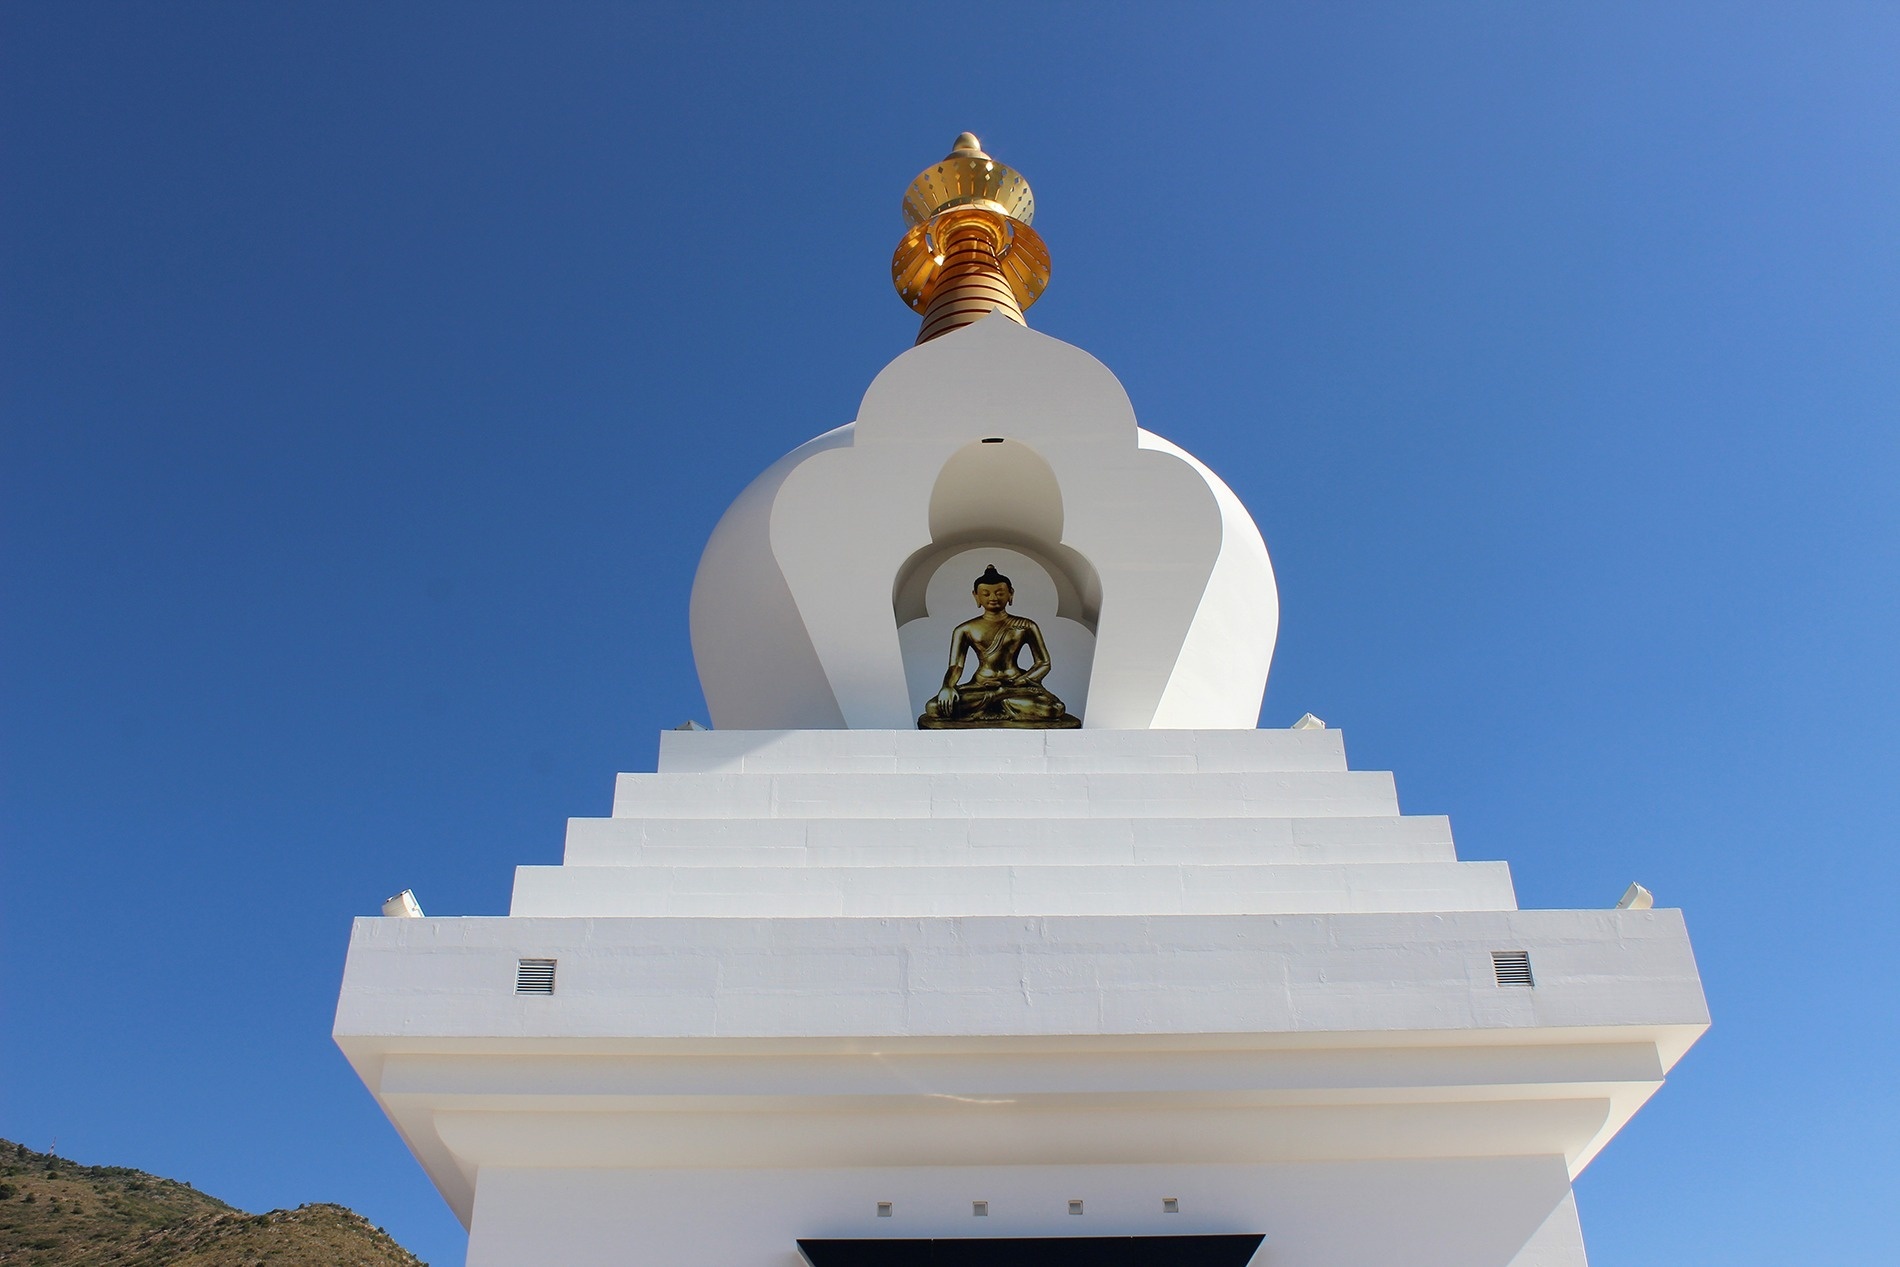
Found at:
(999, 492)
(996, 483)
(997, 499)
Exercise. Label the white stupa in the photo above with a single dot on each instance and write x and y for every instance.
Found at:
(1051, 959)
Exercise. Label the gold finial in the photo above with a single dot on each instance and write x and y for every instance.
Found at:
(970, 250)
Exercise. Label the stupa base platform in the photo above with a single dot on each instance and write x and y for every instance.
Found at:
(840, 986)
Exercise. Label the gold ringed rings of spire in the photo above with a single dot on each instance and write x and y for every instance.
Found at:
(1019, 250)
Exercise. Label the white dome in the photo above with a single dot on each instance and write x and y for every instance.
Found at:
(991, 436)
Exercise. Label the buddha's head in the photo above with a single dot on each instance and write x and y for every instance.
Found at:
(993, 591)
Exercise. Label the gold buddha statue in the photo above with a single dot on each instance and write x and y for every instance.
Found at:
(1001, 692)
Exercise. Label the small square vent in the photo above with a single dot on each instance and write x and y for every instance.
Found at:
(1513, 967)
(534, 976)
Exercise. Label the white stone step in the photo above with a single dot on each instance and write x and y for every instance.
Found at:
(1356, 793)
(1003, 841)
(919, 892)
(998, 751)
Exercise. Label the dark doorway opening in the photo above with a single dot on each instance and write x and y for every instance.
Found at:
(1037, 1251)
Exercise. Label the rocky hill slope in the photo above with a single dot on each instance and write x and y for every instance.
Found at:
(56, 1213)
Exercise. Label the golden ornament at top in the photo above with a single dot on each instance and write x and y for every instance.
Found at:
(968, 178)
(970, 250)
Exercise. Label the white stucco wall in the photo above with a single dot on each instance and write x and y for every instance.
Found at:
(1500, 1212)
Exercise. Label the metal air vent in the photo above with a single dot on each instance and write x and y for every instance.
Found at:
(1513, 967)
(534, 976)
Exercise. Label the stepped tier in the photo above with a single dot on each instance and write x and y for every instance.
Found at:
(893, 824)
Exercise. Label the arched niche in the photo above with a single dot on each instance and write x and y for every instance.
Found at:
(999, 492)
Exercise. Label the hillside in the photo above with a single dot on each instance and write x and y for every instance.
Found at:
(56, 1213)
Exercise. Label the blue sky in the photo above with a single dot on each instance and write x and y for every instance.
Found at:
(373, 375)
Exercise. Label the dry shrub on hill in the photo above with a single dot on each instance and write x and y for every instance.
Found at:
(56, 1213)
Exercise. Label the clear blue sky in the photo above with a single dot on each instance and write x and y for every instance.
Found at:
(371, 376)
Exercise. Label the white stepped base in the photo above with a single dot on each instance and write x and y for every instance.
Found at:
(897, 824)
(797, 974)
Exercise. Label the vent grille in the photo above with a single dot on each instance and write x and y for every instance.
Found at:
(534, 976)
(1513, 967)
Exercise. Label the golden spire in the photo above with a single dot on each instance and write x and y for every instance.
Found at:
(970, 250)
